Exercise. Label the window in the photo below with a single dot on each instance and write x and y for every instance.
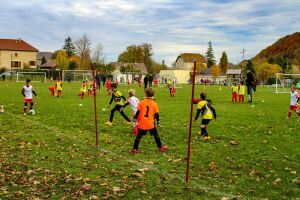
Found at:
(16, 64)
(16, 54)
(31, 63)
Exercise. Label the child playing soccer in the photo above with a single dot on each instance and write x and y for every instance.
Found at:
(90, 88)
(107, 85)
(82, 89)
(117, 97)
(234, 90)
(133, 102)
(208, 112)
(52, 90)
(27, 92)
(172, 91)
(242, 89)
(145, 117)
(58, 87)
(140, 82)
(128, 83)
(155, 82)
(294, 102)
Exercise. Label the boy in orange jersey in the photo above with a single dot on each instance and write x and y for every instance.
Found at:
(52, 90)
(145, 118)
(234, 90)
(242, 89)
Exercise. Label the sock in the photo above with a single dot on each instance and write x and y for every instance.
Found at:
(289, 114)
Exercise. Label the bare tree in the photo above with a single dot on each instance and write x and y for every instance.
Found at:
(98, 54)
(83, 49)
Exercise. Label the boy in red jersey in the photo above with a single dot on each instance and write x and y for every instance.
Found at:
(172, 91)
(107, 85)
(145, 118)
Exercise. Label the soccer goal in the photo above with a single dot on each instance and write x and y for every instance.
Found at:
(76, 75)
(33, 76)
(285, 81)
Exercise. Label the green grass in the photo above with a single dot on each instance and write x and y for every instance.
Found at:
(52, 154)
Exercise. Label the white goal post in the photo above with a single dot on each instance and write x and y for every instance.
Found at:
(76, 75)
(285, 81)
(33, 76)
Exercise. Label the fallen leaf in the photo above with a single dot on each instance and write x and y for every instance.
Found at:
(139, 175)
(85, 187)
(212, 166)
(234, 142)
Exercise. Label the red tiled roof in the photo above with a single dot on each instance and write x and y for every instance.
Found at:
(16, 45)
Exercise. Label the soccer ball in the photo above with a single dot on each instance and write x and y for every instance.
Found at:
(31, 112)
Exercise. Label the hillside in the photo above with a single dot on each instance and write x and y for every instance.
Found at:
(286, 49)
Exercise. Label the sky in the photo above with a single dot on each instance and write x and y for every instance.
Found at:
(170, 26)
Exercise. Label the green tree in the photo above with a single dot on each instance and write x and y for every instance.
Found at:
(266, 70)
(43, 60)
(284, 63)
(138, 54)
(250, 66)
(210, 55)
(61, 59)
(69, 47)
(224, 62)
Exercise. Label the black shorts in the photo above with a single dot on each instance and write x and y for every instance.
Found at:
(205, 121)
(152, 131)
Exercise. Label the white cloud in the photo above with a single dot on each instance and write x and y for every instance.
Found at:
(171, 26)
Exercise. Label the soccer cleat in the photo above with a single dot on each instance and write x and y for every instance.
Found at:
(206, 138)
(163, 148)
(108, 123)
(129, 122)
(133, 151)
(24, 114)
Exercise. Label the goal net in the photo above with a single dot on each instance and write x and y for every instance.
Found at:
(33, 76)
(285, 81)
(76, 75)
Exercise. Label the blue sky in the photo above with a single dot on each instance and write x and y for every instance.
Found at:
(171, 26)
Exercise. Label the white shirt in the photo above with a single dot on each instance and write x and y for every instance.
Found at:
(133, 102)
(294, 98)
(28, 92)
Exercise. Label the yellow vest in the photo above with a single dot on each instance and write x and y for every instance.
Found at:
(235, 89)
(242, 89)
(207, 114)
(58, 85)
(83, 88)
(117, 97)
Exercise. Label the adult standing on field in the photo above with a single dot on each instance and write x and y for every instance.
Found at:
(98, 79)
(251, 84)
(2, 72)
(146, 79)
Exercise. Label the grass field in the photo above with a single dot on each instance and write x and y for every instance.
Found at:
(254, 152)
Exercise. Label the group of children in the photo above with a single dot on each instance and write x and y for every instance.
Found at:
(238, 91)
(145, 113)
